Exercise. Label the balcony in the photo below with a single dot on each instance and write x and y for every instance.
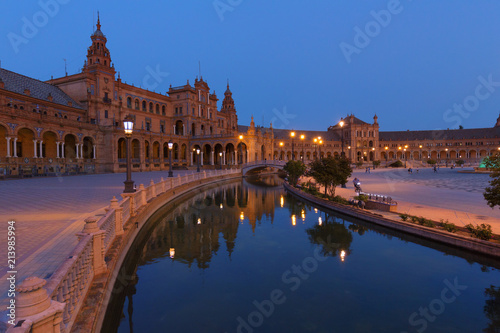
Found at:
(106, 100)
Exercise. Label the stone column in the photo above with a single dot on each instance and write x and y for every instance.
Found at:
(34, 148)
(91, 228)
(41, 149)
(76, 150)
(57, 149)
(81, 150)
(118, 216)
(39, 312)
(212, 157)
(191, 158)
(15, 147)
(235, 157)
(201, 155)
(224, 158)
(62, 150)
(93, 151)
(8, 146)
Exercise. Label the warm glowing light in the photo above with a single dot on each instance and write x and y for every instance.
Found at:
(342, 255)
(320, 221)
(303, 215)
(242, 216)
(128, 125)
(320, 142)
(386, 148)
(316, 140)
(241, 137)
(319, 138)
(221, 206)
(341, 123)
(172, 252)
(399, 147)
(406, 146)
(348, 147)
(281, 144)
(373, 148)
(199, 220)
(282, 201)
(420, 146)
(292, 134)
(294, 220)
(302, 137)
(316, 210)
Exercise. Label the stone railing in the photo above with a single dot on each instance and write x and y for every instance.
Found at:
(69, 285)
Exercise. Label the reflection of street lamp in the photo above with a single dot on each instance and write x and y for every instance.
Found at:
(220, 160)
(198, 159)
(170, 146)
(342, 129)
(302, 137)
(294, 219)
(128, 125)
(342, 255)
(292, 134)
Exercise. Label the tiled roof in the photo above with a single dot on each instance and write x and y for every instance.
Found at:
(19, 83)
(457, 134)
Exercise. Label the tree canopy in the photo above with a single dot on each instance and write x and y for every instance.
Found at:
(492, 193)
(331, 172)
(294, 169)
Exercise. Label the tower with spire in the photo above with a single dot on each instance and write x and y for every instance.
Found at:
(228, 108)
(98, 54)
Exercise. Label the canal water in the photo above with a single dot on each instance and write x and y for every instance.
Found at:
(246, 257)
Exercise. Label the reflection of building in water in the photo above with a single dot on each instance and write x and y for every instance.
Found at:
(193, 228)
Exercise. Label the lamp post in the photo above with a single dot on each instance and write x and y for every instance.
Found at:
(170, 147)
(292, 134)
(342, 130)
(198, 160)
(386, 156)
(320, 142)
(281, 149)
(420, 146)
(241, 148)
(302, 137)
(349, 148)
(220, 160)
(446, 157)
(404, 151)
(128, 125)
(315, 140)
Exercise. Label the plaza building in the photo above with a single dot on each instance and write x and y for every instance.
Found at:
(74, 124)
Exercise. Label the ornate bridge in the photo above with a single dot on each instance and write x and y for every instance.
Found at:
(259, 165)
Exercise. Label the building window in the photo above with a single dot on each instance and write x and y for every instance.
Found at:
(163, 110)
(151, 107)
(144, 106)
(180, 110)
(137, 104)
(129, 102)
(106, 114)
(157, 109)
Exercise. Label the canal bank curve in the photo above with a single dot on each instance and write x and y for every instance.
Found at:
(469, 244)
(261, 165)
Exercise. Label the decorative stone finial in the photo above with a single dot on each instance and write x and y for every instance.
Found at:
(90, 225)
(32, 298)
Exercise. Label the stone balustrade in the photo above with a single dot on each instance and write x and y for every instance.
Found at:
(69, 285)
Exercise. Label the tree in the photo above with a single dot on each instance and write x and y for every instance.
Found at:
(331, 172)
(492, 193)
(376, 164)
(294, 170)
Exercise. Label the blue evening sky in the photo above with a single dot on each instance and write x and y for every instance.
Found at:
(300, 64)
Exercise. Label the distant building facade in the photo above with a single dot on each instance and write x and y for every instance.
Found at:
(73, 124)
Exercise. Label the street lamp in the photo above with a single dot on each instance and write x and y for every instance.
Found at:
(420, 146)
(198, 159)
(241, 148)
(128, 125)
(220, 160)
(342, 130)
(404, 150)
(281, 149)
(446, 157)
(170, 147)
(292, 134)
(315, 140)
(302, 137)
(386, 155)
(320, 142)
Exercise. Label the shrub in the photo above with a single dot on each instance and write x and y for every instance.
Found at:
(340, 200)
(450, 227)
(403, 216)
(359, 164)
(414, 219)
(361, 197)
(397, 164)
(482, 231)
(429, 161)
(428, 223)
(460, 162)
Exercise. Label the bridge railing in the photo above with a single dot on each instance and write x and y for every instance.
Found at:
(264, 162)
(70, 282)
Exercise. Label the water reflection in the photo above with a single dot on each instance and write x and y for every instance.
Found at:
(203, 260)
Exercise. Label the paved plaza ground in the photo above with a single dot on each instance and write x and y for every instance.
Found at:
(50, 211)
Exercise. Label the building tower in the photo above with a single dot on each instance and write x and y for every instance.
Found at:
(229, 109)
